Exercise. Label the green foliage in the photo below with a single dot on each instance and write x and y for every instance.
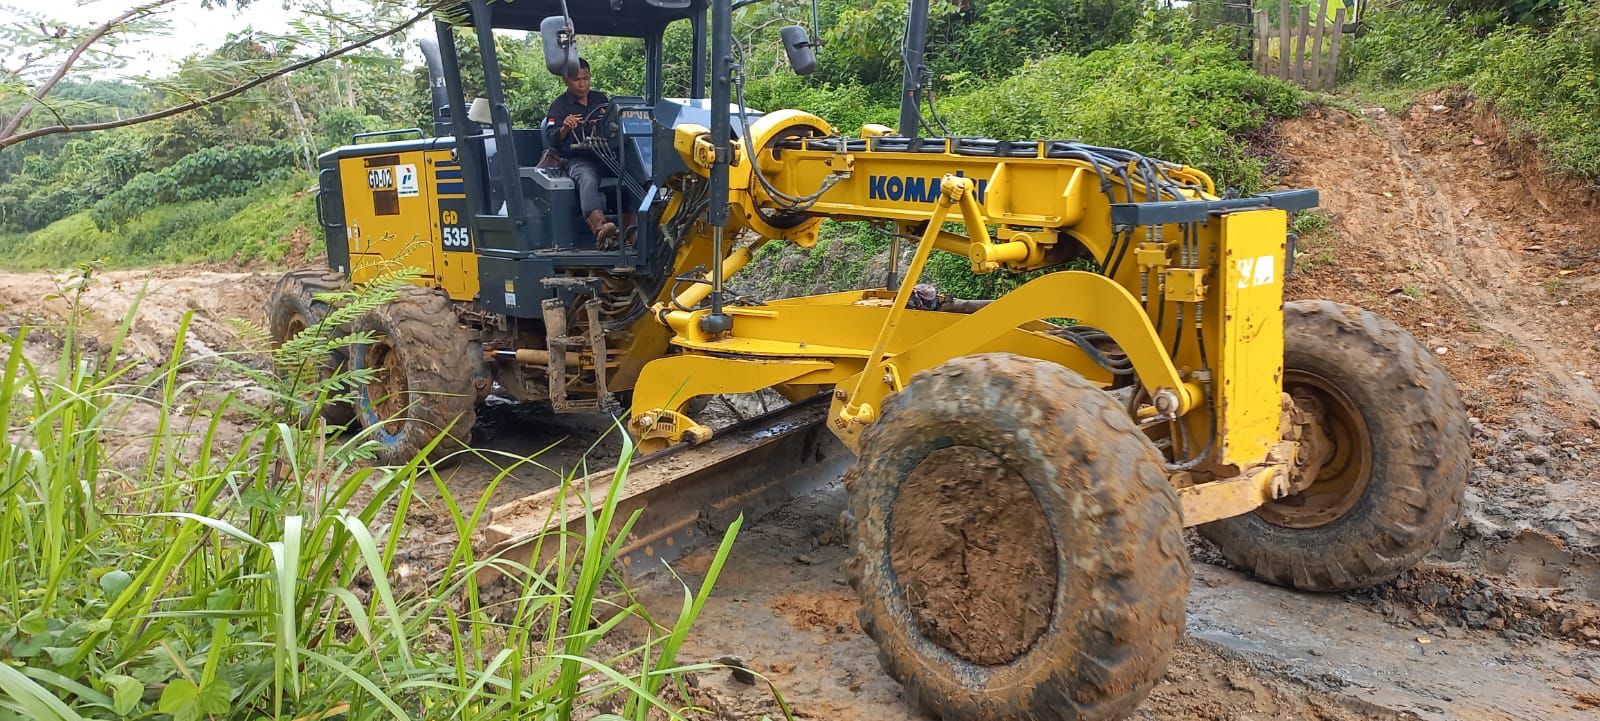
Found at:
(1544, 82)
(968, 39)
(50, 186)
(243, 229)
(209, 173)
(1414, 44)
(1548, 87)
(1194, 103)
(1490, 12)
(241, 579)
(1310, 221)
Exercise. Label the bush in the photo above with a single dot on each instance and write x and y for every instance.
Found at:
(1545, 83)
(1191, 103)
(204, 174)
(1547, 86)
(241, 229)
(1413, 44)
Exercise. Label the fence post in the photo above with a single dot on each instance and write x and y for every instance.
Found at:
(1316, 47)
(1283, 41)
(1301, 72)
(1338, 40)
(1263, 35)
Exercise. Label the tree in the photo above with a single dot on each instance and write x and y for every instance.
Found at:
(48, 50)
(61, 48)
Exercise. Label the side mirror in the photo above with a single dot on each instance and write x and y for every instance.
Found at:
(801, 51)
(560, 46)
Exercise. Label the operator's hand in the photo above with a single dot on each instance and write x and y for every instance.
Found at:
(571, 122)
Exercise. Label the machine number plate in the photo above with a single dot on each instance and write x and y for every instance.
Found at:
(453, 233)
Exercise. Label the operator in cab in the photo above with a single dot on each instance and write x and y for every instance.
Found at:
(568, 116)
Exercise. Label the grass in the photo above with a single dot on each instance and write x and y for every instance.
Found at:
(1414, 291)
(245, 579)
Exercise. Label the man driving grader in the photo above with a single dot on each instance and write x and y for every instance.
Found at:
(1017, 487)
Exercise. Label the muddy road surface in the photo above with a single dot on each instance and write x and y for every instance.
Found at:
(1436, 221)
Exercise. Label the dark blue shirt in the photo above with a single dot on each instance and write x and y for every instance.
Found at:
(567, 104)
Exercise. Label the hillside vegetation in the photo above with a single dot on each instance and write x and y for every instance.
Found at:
(232, 183)
(1537, 64)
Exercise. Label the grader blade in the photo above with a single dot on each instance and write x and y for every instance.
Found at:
(688, 494)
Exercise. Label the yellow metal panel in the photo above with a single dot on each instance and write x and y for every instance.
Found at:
(458, 258)
(1250, 368)
(386, 213)
(1186, 285)
(1237, 496)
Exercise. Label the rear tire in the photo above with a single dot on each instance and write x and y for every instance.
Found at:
(1017, 547)
(428, 373)
(293, 308)
(1398, 469)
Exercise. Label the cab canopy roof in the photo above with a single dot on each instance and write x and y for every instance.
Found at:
(628, 18)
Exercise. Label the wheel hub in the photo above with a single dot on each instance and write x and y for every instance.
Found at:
(974, 555)
(1334, 466)
(388, 391)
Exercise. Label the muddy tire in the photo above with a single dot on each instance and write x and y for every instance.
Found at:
(1016, 545)
(293, 308)
(1397, 471)
(429, 372)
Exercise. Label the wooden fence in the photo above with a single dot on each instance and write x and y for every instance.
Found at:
(1299, 50)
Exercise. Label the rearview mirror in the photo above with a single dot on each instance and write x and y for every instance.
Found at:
(801, 51)
(560, 46)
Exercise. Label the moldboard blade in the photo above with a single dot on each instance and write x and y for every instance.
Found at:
(688, 494)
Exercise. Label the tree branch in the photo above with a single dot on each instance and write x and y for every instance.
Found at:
(72, 58)
(7, 141)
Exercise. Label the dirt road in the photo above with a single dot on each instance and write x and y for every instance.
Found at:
(1436, 222)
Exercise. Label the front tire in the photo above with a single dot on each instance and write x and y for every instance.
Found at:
(428, 370)
(1394, 479)
(1017, 547)
(293, 308)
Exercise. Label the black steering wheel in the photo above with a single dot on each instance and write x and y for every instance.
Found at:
(595, 127)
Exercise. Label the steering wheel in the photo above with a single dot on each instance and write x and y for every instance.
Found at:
(594, 128)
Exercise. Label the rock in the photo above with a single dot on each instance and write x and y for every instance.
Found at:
(1314, 651)
(1476, 619)
(1539, 456)
(1507, 174)
(1495, 623)
(741, 672)
(1427, 619)
(1433, 594)
(803, 560)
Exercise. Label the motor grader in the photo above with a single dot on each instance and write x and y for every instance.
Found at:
(1019, 471)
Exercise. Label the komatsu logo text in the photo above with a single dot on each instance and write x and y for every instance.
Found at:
(912, 188)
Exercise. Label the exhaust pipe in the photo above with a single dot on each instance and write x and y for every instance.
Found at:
(441, 99)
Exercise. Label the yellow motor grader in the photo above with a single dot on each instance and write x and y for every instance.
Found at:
(1019, 470)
